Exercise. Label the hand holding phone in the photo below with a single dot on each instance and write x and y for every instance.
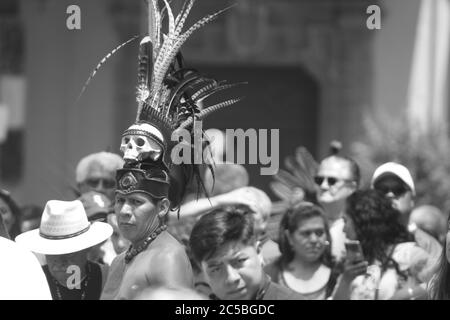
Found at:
(354, 251)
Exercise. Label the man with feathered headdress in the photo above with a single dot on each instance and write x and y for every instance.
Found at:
(153, 181)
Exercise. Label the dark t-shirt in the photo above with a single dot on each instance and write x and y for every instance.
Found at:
(90, 288)
(272, 291)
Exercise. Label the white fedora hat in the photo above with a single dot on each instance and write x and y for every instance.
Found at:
(64, 229)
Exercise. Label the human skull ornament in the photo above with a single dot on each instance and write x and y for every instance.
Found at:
(138, 148)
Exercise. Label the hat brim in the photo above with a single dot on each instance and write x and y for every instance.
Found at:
(97, 233)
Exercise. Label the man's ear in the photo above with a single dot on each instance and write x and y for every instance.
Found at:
(163, 207)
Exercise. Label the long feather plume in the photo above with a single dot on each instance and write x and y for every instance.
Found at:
(206, 88)
(145, 70)
(208, 110)
(205, 112)
(182, 16)
(109, 55)
(183, 37)
(222, 87)
(145, 65)
(164, 11)
(154, 26)
(172, 45)
(171, 19)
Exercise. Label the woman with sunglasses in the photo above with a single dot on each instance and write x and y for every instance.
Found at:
(305, 264)
(439, 287)
(396, 263)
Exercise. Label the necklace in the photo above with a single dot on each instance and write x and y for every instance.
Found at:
(83, 289)
(132, 252)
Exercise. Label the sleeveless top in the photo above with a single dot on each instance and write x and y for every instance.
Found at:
(324, 276)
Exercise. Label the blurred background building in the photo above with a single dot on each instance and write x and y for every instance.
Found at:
(315, 71)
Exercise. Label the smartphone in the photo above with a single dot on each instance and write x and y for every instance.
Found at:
(354, 251)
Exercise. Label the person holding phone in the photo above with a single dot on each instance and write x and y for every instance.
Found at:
(396, 263)
(306, 264)
(396, 183)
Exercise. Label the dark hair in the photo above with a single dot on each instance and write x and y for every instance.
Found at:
(15, 210)
(219, 227)
(440, 285)
(31, 211)
(335, 150)
(377, 225)
(290, 222)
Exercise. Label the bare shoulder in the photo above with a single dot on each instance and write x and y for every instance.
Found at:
(166, 248)
(168, 263)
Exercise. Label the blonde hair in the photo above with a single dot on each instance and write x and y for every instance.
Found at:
(107, 160)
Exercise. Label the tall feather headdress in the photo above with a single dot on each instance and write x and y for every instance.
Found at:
(170, 98)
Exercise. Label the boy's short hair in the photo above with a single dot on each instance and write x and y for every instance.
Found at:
(219, 227)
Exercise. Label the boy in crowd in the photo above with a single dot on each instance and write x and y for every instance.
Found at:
(225, 245)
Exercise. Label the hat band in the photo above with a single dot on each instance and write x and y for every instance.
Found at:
(64, 236)
(144, 133)
(154, 182)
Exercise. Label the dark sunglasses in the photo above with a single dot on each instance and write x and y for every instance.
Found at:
(107, 183)
(397, 191)
(330, 180)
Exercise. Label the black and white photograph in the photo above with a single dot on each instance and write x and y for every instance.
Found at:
(241, 150)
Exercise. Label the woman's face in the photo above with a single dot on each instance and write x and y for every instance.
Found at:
(309, 240)
(7, 215)
(349, 228)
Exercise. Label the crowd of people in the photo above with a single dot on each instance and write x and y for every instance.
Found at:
(350, 243)
(144, 226)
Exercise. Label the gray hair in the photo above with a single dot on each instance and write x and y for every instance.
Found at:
(109, 161)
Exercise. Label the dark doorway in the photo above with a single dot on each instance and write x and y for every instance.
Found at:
(284, 98)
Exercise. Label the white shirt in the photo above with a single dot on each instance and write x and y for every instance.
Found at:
(317, 284)
(21, 274)
(338, 238)
(411, 259)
